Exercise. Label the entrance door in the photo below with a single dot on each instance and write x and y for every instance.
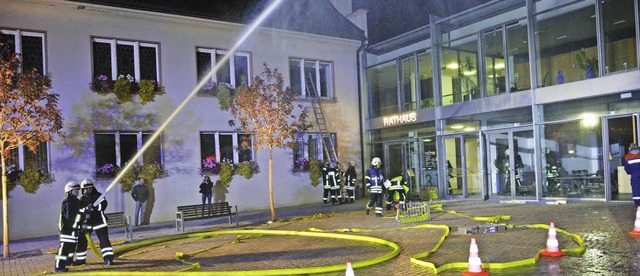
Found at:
(619, 133)
(462, 164)
(510, 162)
(401, 159)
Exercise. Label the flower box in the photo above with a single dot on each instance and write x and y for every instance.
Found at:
(125, 87)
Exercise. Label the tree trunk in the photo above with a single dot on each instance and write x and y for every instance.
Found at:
(271, 201)
(5, 212)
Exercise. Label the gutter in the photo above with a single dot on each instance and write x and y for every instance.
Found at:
(359, 58)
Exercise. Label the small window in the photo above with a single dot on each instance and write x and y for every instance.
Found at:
(30, 46)
(234, 72)
(309, 147)
(118, 58)
(216, 147)
(311, 77)
(22, 158)
(116, 149)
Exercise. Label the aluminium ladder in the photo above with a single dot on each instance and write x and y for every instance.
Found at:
(327, 140)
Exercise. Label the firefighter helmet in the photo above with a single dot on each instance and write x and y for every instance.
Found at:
(352, 163)
(376, 161)
(633, 146)
(71, 186)
(86, 183)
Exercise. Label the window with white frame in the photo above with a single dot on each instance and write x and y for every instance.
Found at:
(114, 58)
(309, 147)
(115, 149)
(234, 72)
(309, 77)
(225, 147)
(29, 45)
(22, 158)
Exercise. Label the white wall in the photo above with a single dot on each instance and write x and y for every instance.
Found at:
(68, 32)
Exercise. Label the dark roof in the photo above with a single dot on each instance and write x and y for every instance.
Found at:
(309, 16)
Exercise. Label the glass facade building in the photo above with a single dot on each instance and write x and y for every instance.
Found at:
(513, 99)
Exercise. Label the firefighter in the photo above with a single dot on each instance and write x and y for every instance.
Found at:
(632, 167)
(95, 221)
(397, 192)
(350, 177)
(325, 183)
(333, 181)
(375, 186)
(69, 226)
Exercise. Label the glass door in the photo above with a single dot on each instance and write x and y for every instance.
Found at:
(473, 165)
(393, 162)
(453, 166)
(402, 159)
(510, 163)
(619, 133)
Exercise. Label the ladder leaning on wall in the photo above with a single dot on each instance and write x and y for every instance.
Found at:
(327, 140)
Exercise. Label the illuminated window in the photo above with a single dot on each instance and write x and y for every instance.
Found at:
(234, 72)
(225, 147)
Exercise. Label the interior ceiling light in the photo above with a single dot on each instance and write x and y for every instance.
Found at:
(457, 126)
(619, 22)
(499, 66)
(453, 66)
(469, 73)
(561, 37)
(469, 129)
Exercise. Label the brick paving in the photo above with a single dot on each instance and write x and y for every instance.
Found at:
(603, 226)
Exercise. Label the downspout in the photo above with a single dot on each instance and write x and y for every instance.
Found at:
(359, 64)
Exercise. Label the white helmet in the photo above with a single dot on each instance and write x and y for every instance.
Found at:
(376, 161)
(71, 186)
(86, 183)
(352, 163)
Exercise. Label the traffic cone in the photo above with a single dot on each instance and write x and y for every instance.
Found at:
(553, 247)
(349, 269)
(636, 226)
(475, 264)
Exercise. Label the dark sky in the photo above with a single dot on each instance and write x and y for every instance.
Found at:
(389, 18)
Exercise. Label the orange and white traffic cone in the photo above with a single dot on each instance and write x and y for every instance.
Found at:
(553, 247)
(636, 226)
(349, 271)
(475, 264)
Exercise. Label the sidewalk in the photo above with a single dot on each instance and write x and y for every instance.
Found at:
(603, 227)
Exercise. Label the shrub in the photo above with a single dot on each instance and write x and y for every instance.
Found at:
(245, 169)
(30, 179)
(314, 172)
(226, 173)
(122, 88)
(146, 91)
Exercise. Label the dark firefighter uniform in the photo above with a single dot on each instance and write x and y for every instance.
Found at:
(350, 177)
(95, 221)
(375, 186)
(632, 167)
(398, 188)
(68, 225)
(332, 180)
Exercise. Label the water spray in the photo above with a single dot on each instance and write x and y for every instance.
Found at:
(252, 27)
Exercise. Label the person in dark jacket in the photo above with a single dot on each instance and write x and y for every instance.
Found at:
(95, 221)
(350, 178)
(206, 189)
(632, 167)
(68, 225)
(140, 194)
(375, 185)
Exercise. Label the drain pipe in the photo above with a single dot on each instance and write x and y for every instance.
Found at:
(359, 64)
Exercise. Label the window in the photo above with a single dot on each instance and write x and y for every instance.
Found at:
(234, 72)
(29, 45)
(112, 58)
(115, 149)
(311, 76)
(229, 147)
(309, 147)
(22, 158)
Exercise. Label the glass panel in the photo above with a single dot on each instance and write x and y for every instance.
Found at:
(621, 135)
(38, 159)
(310, 78)
(426, 80)
(578, 145)
(394, 161)
(203, 64)
(325, 80)
(409, 93)
(32, 54)
(619, 35)
(473, 164)
(226, 147)
(449, 62)
(128, 148)
(10, 41)
(454, 166)
(294, 75)
(383, 88)
(207, 146)
(125, 60)
(494, 62)
(241, 65)
(429, 168)
(245, 151)
(411, 160)
(148, 70)
(498, 149)
(105, 149)
(525, 177)
(223, 75)
(467, 81)
(314, 146)
(101, 59)
(566, 44)
(518, 57)
(152, 154)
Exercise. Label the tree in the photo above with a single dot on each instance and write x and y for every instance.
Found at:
(266, 111)
(29, 116)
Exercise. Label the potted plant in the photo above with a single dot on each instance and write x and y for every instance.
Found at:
(589, 65)
(226, 173)
(245, 169)
(146, 89)
(315, 172)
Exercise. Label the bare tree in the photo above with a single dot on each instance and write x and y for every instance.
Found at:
(266, 111)
(29, 116)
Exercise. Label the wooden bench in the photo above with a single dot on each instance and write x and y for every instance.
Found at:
(199, 211)
(117, 220)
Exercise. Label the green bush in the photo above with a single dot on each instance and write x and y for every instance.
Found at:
(30, 179)
(314, 172)
(245, 169)
(147, 91)
(122, 88)
(226, 173)
(129, 178)
(150, 173)
(224, 96)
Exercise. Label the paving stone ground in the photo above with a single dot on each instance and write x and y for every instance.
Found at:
(603, 226)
